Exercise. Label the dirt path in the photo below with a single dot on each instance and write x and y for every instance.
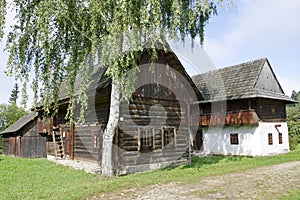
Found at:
(261, 183)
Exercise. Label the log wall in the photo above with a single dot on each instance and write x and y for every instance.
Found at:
(87, 143)
(270, 110)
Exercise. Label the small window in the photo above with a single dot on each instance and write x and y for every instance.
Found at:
(270, 138)
(96, 141)
(145, 140)
(234, 138)
(280, 138)
(169, 136)
(273, 110)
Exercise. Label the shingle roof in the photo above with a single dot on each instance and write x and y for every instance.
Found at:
(20, 123)
(235, 82)
(98, 78)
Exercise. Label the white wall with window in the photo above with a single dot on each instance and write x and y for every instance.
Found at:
(267, 138)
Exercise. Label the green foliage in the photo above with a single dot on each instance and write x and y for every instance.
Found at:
(293, 120)
(9, 113)
(60, 40)
(40, 179)
(0, 144)
(14, 95)
(295, 94)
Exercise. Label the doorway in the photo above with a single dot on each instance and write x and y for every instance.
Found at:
(198, 140)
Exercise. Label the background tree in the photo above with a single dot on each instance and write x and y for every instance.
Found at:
(14, 95)
(293, 120)
(9, 113)
(295, 94)
(59, 40)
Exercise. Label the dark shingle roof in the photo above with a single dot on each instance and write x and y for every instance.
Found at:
(20, 123)
(97, 80)
(235, 82)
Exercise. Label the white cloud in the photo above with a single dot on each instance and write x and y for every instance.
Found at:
(259, 28)
(258, 24)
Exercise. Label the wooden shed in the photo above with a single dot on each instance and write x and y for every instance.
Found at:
(22, 139)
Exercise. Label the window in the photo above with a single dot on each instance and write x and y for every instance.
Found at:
(280, 138)
(234, 138)
(95, 141)
(270, 138)
(169, 136)
(154, 139)
(146, 139)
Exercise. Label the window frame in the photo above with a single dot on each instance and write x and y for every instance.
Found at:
(234, 139)
(96, 140)
(170, 131)
(145, 144)
(280, 141)
(154, 132)
(270, 138)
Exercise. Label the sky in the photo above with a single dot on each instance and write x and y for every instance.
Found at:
(249, 30)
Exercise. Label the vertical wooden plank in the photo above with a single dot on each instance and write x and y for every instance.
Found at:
(12, 146)
(153, 136)
(139, 139)
(175, 137)
(162, 138)
(67, 142)
(72, 132)
(54, 144)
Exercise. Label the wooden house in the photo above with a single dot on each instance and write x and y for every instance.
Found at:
(237, 110)
(243, 111)
(22, 139)
(153, 128)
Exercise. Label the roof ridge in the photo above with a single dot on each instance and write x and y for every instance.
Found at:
(232, 66)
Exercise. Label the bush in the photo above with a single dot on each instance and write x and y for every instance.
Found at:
(293, 142)
(293, 120)
(0, 144)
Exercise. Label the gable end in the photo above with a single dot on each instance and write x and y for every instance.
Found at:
(267, 80)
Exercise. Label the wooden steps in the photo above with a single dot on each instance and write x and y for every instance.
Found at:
(58, 143)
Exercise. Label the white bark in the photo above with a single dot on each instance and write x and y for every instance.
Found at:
(109, 132)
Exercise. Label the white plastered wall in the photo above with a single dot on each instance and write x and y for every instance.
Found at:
(253, 140)
(270, 127)
(217, 140)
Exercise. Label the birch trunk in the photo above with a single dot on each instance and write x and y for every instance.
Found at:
(109, 132)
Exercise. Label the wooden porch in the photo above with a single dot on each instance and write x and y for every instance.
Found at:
(230, 118)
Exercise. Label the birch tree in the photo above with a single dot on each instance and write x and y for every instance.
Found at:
(54, 40)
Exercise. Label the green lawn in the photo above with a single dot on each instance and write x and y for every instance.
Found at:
(0, 144)
(41, 179)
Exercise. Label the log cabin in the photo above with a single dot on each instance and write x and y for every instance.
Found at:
(153, 127)
(243, 111)
(22, 139)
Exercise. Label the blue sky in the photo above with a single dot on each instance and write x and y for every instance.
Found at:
(249, 30)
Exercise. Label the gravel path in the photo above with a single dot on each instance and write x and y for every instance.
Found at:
(261, 183)
(88, 167)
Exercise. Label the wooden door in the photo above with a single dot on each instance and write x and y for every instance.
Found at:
(198, 141)
(12, 146)
(68, 138)
(18, 146)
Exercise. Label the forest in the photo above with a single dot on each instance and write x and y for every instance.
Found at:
(293, 119)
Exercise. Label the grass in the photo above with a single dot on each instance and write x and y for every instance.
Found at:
(40, 179)
(295, 195)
